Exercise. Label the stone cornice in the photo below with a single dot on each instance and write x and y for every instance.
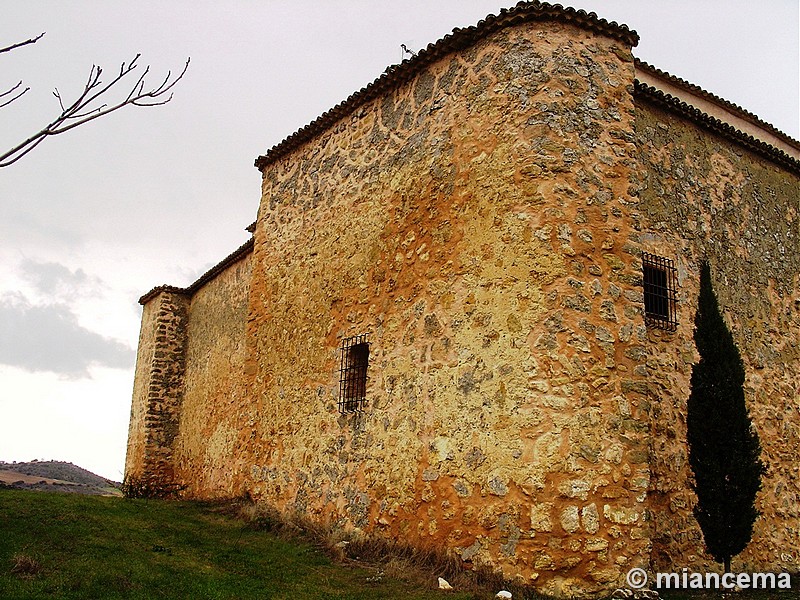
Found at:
(233, 257)
(459, 39)
(676, 105)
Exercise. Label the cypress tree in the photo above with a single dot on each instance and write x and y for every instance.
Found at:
(724, 451)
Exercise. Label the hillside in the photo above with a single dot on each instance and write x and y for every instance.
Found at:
(55, 476)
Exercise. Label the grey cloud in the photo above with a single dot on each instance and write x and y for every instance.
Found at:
(52, 277)
(49, 338)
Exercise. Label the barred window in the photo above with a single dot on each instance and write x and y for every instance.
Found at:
(659, 279)
(353, 374)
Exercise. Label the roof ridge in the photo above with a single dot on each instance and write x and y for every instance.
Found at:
(715, 125)
(710, 96)
(458, 39)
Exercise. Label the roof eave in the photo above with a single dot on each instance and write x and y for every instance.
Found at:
(232, 258)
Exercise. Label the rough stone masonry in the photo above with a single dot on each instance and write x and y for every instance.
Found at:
(480, 213)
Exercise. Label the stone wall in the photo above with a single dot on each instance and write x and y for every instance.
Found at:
(158, 388)
(215, 405)
(475, 222)
(704, 197)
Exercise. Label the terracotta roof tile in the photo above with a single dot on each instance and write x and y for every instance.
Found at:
(158, 289)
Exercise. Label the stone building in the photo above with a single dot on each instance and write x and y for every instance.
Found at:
(465, 315)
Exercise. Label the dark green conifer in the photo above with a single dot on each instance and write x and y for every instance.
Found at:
(724, 451)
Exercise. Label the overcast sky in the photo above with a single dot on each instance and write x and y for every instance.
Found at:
(92, 219)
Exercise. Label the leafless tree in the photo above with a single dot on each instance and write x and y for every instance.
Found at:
(88, 105)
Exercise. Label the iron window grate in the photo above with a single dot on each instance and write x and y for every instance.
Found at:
(354, 359)
(660, 296)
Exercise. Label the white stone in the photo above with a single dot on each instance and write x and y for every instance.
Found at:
(569, 519)
(540, 517)
(590, 518)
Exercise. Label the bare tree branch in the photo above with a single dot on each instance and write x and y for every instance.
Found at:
(25, 43)
(86, 108)
(11, 90)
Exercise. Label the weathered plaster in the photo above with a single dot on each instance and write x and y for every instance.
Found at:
(216, 405)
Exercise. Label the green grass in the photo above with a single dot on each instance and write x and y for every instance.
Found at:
(96, 547)
(109, 548)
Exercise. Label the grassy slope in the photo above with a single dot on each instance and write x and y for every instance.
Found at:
(97, 547)
(93, 547)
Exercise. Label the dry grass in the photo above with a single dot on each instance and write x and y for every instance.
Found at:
(25, 567)
(422, 565)
(386, 558)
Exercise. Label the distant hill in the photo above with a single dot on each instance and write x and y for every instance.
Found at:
(55, 476)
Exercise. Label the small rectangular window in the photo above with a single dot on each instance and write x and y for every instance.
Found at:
(660, 298)
(353, 374)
